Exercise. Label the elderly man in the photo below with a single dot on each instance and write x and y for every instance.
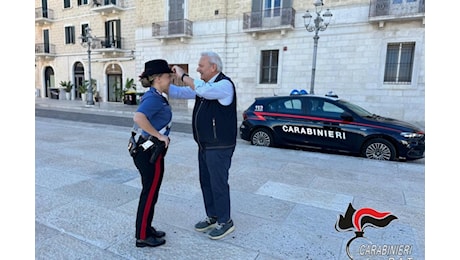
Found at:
(214, 130)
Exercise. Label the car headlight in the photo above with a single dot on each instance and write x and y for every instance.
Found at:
(411, 135)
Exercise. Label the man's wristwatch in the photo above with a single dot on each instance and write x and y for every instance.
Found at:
(183, 75)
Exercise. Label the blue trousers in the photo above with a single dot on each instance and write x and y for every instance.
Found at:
(214, 166)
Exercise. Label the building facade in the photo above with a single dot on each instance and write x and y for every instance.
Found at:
(372, 52)
(64, 47)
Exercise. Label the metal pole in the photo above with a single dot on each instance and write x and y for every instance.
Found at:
(313, 66)
(317, 22)
(317, 26)
(90, 100)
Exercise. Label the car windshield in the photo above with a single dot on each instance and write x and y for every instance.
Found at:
(355, 108)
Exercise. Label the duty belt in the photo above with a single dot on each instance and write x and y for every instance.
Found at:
(163, 131)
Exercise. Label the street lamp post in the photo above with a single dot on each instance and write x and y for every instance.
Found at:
(87, 41)
(318, 25)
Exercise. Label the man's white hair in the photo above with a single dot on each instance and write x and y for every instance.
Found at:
(214, 59)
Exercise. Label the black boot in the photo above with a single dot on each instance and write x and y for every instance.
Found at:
(150, 241)
(157, 233)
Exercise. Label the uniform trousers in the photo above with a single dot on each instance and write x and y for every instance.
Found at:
(214, 166)
(151, 177)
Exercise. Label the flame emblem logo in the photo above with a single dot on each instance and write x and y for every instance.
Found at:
(358, 220)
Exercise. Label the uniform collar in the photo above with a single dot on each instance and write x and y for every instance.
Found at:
(162, 94)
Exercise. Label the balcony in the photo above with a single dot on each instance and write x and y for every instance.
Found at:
(106, 7)
(45, 50)
(43, 16)
(111, 46)
(178, 29)
(270, 20)
(381, 11)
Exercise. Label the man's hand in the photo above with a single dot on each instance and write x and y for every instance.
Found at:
(180, 73)
(178, 70)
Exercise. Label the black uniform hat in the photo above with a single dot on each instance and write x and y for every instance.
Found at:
(155, 67)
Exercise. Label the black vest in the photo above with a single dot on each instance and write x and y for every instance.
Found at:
(215, 125)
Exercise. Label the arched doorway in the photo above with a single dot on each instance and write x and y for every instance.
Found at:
(114, 83)
(79, 78)
(50, 87)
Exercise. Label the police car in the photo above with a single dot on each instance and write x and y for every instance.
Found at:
(330, 123)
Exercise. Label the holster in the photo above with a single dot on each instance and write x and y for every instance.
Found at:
(133, 145)
(158, 147)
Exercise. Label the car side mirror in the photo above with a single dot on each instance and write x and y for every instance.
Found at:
(346, 116)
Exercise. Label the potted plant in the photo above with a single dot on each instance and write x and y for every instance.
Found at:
(67, 86)
(130, 92)
(83, 89)
(130, 86)
(117, 91)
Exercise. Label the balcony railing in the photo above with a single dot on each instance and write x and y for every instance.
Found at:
(276, 19)
(44, 15)
(107, 6)
(110, 42)
(45, 50)
(396, 10)
(108, 45)
(172, 29)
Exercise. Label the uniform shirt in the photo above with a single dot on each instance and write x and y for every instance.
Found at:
(156, 108)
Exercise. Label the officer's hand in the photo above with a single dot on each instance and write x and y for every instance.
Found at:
(164, 139)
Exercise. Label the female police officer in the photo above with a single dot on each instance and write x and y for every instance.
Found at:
(153, 116)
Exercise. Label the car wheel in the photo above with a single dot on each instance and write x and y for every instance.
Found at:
(262, 137)
(379, 149)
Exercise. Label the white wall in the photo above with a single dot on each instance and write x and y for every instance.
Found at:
(350, 59)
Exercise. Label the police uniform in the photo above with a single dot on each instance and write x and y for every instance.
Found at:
(150, 162)
(157, 110)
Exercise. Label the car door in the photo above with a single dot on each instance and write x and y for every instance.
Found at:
(328, 125)
(341, 131)
(291, 123)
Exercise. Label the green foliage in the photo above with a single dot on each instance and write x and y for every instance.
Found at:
(117, 90)
(85, 86)
(130, 86)
(67, 85)
(82, 89)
